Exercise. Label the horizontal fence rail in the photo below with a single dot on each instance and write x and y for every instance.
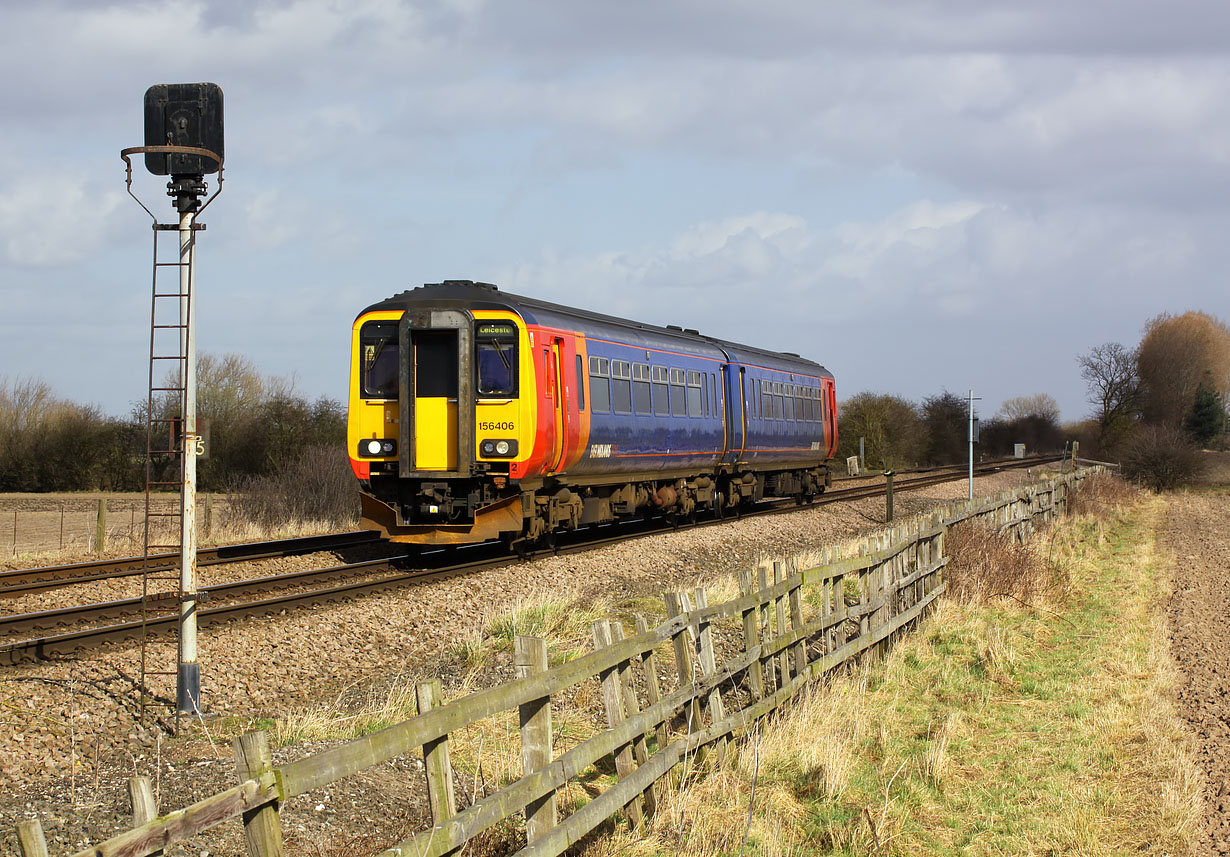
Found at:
(787, 628)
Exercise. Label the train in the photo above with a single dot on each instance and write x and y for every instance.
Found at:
(476, 414)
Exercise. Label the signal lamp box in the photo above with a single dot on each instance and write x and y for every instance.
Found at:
(183, 114)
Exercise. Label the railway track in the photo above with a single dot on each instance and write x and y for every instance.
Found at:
(91, 625)
(23, 581)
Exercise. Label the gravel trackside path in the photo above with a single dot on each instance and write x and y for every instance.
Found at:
(69, 740)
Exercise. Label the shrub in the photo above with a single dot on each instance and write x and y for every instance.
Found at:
(1160, 459)
(317, 485)
(1100, 494)
(986, 565)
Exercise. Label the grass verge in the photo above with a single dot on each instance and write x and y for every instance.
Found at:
(1004, 726)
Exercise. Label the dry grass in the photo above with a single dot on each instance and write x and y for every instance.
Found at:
(986, 565)
(999, 728)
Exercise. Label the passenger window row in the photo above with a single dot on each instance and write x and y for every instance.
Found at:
(625, 388)
(778, 400)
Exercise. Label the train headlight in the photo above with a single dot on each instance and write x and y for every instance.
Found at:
(498, 448)
(375, 447)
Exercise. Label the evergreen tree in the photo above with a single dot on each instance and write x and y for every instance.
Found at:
(1207, 418)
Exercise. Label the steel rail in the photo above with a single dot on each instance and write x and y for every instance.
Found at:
(22, 581)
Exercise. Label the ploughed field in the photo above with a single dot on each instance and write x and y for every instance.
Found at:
(71, 738)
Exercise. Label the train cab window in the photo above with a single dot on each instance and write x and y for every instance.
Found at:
(640, 388)
(495, 345)
(621, 387)
(678, 398)
(580, 384)
(379, 370)
(599, 386)
(661, 394)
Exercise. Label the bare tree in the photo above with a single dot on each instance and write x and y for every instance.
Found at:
(1038, 405)
(1114, 390)
(1176, 354)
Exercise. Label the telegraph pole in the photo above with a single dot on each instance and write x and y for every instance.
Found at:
(973, 438)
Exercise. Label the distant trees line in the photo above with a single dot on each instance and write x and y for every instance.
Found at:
(259, 426)
(1156, 402)
(899, 433)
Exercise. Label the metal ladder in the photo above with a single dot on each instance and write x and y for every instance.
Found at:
(168, 358)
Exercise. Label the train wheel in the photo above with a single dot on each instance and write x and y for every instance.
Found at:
(719, 505)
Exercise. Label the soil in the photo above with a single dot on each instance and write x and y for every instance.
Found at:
(1197, 535)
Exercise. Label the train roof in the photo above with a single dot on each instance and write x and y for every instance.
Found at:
(469, 294)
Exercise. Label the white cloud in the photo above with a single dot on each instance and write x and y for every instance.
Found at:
(55, 219)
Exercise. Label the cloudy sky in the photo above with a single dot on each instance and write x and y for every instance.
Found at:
(923, 196)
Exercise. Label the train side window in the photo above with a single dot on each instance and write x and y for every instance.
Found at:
(621, 387)
(678, 397)
(779, 409)
(640, 388)
(580, 383)
(717, 402)
(694, 397)
(808, 402)
(599, 385)
(704, 392)
(798, 404)
(379, 370)
(661, 392)
(788, 398)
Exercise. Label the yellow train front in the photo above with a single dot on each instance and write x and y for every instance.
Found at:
(476, 414)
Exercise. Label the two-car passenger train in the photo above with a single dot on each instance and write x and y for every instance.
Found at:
(477, 414)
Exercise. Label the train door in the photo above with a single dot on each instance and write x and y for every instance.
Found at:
(436, 399)
(732, 400)
(555, 374)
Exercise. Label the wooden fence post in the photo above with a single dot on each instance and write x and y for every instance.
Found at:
(100, 527)
(653, 690)
(262, 827)
(30, 839)
(613, 699)
(437, 765)
(535, 717)
(141, 802)
(779, 605)
(632, 707)
(796, 622)
(766, 631)
(684, 661)
(755, 676)
(708, 666)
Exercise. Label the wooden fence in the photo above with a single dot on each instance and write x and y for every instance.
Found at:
(792, 627)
